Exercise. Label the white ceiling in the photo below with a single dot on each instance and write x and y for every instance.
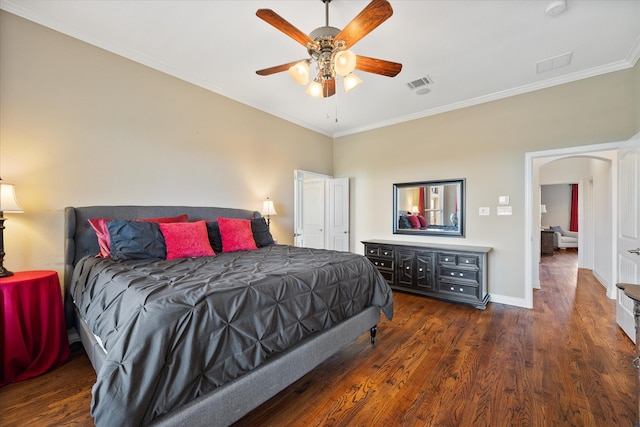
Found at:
(473, 51)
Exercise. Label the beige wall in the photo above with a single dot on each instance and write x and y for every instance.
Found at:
(81, 126)
(486, 144)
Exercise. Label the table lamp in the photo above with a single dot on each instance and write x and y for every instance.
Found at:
(8, 203)
(268, 209)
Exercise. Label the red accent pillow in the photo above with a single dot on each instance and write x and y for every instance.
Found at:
(236, 234)
(179, 218)
(186, 239)
(415, 222)
(423, 221)
(99, 225)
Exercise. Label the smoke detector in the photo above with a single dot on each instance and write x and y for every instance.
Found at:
(556, 7)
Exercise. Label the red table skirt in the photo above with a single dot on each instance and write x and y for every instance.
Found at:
(34, 337)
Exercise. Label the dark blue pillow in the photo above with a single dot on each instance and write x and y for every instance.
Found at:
(261, 233)
(557, 228)
(136, 240)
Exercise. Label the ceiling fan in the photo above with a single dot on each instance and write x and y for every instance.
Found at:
(328, 50)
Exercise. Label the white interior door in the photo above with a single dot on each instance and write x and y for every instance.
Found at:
(298, 196)
(313, 207)
(338, 210)
(628, 234)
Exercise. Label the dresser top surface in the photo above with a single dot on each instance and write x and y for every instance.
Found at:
(437, 246)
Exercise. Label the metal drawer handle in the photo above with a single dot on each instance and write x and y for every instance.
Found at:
(371, 251)
(408, 268)
(376, 262)
(452, 288)
(635, 362)
(453, 274)
(420, 270)
(382, 264)
(461, 274)
(461, 290)
(467, 261)
(386, 253)
(446, 259)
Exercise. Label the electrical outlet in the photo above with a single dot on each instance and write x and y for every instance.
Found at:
(484, 211)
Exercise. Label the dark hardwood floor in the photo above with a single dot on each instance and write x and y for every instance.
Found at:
(564, 363)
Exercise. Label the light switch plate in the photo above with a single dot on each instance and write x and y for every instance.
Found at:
(504, 210)
(484, 211)
(503, 200)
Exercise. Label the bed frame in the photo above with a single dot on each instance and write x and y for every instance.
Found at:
(232, 401)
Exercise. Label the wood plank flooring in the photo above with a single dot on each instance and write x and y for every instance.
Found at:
(563, 363)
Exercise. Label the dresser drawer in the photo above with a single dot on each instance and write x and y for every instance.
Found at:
(471, 260)
(452, 287)
(378, 251)
(459, 273)
(382, 263)
(448, 259)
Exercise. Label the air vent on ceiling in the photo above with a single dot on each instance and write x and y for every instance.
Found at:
(420, 86)
(553, 63)
(419, 83)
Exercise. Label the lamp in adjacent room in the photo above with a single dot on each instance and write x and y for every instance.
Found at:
(543, 209)
(8, 203)
(268, 209)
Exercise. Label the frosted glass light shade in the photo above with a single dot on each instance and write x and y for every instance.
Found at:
(300, 73)
(314, 89)
(351, 81)
(344, 62)
(8, 202)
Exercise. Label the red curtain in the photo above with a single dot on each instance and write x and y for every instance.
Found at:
(421, 201)
(573, 223)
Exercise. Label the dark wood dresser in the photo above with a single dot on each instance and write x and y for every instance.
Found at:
(448, 272)
(546, 242)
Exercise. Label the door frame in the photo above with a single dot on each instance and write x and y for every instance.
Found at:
(532, 196)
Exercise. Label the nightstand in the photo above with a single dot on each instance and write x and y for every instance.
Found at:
(33, 336)
(546, 242)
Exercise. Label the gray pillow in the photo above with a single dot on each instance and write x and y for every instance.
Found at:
(136, 240)
(557, 228)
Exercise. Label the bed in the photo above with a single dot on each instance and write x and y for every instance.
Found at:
(203, 340)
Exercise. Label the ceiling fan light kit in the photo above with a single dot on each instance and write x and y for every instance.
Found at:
(328, 50)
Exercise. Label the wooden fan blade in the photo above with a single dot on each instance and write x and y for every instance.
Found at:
(377, 66)
(277, 68)
(329, 88)
(270, 17)
(374, 14)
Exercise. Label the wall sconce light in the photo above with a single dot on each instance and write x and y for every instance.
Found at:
(543, 209)
(268, 209)
(414, 210)
(8, 203)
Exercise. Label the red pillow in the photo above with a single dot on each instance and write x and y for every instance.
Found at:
(236, 234)
(186, 239)
(423, 221)
(179, 218)
(99, 225)
(415, 222)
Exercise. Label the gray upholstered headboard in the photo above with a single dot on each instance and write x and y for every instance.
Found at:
(80, 239)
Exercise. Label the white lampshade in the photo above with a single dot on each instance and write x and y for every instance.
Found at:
(268, 208)
(350, 82)
(300, 73)
(315, 89)
(8, 202)
(344, 62)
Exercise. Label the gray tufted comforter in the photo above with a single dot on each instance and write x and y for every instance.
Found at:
(175, 330)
